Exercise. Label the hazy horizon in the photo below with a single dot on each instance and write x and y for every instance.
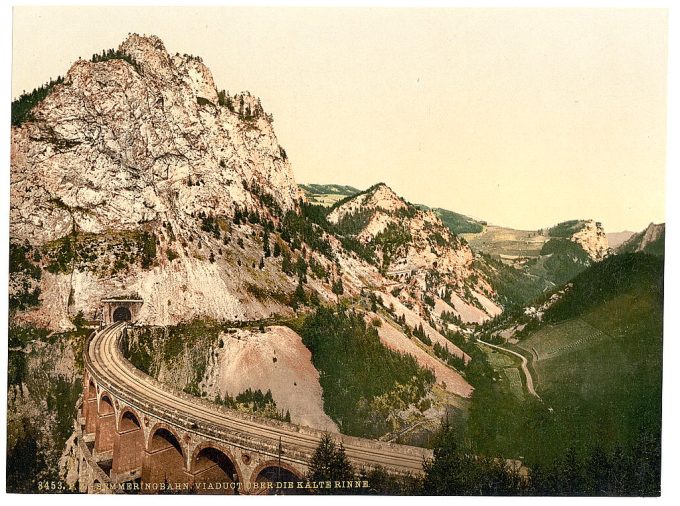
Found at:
(522, 118)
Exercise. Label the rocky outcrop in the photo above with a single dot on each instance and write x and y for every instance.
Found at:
(405, 238)
(275, 360)
(142, 145)
(651, 240)
(592, 238)
(413, 246)
(119, 145)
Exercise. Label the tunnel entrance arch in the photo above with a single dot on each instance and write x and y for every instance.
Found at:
(122, 314)
(121, 309)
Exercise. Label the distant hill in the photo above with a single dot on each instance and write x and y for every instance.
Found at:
(327, 194)
(651, 240)
(330, 194)
(616, 239)
(549, 257)
(456, 222)
(507, 243)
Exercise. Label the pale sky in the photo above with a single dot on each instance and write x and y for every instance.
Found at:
(520, 117)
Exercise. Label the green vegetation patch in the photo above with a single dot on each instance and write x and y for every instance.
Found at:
(43, 377)
(514, 287)
(23, 106)
(255, 402)
(114, 54)
(566, 228)
(25, 275)
(356, 370)
(599, 377)
(456, 222)
(106, 253)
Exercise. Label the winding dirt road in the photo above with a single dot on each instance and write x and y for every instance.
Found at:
(525, 369)
(105, 362)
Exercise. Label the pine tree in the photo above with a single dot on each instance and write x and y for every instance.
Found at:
(300, 296)
(286, 264)
(338, 288)
(330, 463)
(265, 245)
(301, 268)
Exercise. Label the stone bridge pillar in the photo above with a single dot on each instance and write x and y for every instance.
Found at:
(128, 447)
(164, 459)
(90, 406)
(106, 426)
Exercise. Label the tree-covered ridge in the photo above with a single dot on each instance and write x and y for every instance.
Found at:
(22, 106)
(566, 228)
(338, 189)
(115, 54)
(613, 276)
(652, 240)
(362, 380)
(596, 357)
(514, 287)
(455, 222)
(594, 471)
(397, 229)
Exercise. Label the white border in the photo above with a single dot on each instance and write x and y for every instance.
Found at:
(671, 448)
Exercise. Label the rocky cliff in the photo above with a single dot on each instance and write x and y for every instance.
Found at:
(118, 145)
(651, 240)
(592, 238)
(125, 180)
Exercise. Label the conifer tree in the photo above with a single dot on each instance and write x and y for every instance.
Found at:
(330, 463)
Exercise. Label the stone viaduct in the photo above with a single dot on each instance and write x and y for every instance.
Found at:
(137, 434)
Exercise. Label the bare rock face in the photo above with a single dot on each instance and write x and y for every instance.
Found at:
(651, 240)
(592, 238)
(275, 360)
(120, 144)
(412, 239)
(142, 147)
(413, 246)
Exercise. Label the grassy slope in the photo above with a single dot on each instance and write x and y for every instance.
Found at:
(601, 390)
(456, 222)
(327, 194)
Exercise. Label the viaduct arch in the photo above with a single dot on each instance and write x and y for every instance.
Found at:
(141, 433)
